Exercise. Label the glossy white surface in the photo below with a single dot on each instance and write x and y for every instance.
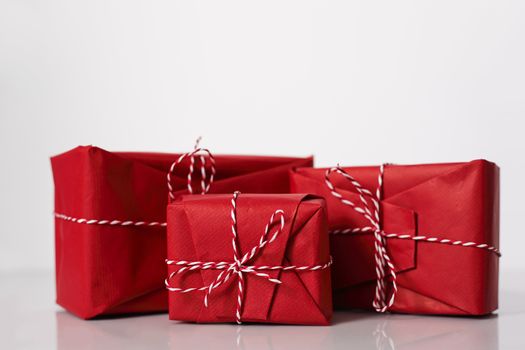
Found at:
(30, 320)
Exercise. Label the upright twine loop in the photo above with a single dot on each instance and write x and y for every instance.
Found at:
(240, 265)
(370, 209)
(205, 182)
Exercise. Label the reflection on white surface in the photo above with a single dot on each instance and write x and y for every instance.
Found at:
(361, 330)
(29, 319)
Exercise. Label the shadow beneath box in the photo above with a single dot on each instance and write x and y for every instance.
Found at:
(129, 315)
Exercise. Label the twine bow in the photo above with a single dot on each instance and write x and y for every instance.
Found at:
(241, 264)
(371, 211)
(203, 160)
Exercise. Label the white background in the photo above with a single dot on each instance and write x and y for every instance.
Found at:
(356, 82)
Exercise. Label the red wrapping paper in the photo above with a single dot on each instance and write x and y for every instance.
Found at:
(199, 229)
(104, 269)
(456, 201)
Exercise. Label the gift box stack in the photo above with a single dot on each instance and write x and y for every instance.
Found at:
(253, 239)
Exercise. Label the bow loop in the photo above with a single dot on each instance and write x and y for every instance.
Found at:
(205, 158)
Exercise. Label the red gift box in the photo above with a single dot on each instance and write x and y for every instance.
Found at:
(412, 239)
(250, 258)
(110, 211)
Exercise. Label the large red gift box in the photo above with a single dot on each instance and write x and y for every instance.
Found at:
(249, 258)
(110, 211)
(412, 238)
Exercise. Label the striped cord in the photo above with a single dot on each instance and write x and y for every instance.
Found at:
(109, 222)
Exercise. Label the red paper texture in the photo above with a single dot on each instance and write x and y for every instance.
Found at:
(456, 201)
(199, 229)
(102, 269)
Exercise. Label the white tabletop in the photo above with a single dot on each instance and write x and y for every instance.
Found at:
(29, 319)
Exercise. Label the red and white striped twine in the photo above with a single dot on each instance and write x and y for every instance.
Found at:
(109, 222)
(205, 185)
(370, 210)
(239, 266)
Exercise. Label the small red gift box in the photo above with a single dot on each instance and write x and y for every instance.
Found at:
(412, 239)
(110, 211)
(249, 258)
